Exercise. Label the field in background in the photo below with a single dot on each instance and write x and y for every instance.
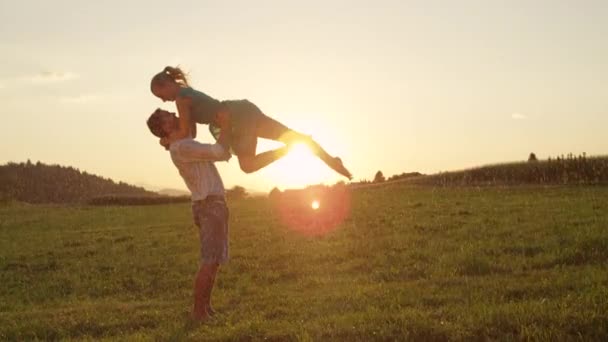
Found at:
(564, 170)
(402, 262)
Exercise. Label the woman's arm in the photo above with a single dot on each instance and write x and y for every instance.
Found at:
(185, 123)
(222, 120)
(193, 129)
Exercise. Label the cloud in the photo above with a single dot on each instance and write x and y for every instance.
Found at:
(79, 98)
(518, 116)
(48, 77)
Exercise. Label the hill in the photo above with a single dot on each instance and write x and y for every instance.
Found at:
(173, 192)
(563, 170)
(569, 170)
(42, 183)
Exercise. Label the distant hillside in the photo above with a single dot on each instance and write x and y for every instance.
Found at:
(562, 170)
(182, 193)
(42, 183)
(174, 192)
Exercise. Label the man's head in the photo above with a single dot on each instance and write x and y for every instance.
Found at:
(162, 123)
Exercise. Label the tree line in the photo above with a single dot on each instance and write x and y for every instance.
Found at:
(565, 169)
(41, 183)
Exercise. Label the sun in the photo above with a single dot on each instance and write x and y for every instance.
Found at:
(315, 205)
(299, 168)
(299, 149)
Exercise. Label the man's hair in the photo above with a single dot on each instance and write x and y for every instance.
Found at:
(155, 123)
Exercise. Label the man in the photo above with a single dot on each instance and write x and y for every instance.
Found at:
(195, 164)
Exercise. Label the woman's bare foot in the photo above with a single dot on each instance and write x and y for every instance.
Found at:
(337, 166)
(333, 162)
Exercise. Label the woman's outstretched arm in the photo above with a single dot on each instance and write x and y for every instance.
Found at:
(187, 127)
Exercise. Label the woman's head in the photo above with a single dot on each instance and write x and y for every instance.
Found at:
(166, 84)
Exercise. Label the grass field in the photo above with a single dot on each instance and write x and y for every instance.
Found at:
(407, 262)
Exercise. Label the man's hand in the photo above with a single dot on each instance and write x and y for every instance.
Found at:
(164, 142)
(227, 155)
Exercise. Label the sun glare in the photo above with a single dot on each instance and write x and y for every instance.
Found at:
(299, 168)
(315, 205)
(300, 150)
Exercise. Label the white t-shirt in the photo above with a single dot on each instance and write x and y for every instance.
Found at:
(194, 161)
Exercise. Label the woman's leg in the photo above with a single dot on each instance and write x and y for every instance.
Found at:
(252, 163)
(268, 128)
(245, 146)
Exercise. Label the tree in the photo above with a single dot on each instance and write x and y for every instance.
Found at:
(379, 178)
(532, 158)
(237, 192)
(274, 193)
(340, 184)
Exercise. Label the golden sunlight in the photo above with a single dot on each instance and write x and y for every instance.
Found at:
(299, 168)
(314, 205)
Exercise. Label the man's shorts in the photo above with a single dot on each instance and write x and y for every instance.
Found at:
(211, 218)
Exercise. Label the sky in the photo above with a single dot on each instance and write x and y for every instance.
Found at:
(396, 86)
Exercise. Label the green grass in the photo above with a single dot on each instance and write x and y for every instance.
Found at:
(408, 262)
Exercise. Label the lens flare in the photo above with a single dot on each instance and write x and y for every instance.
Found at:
(301, 210)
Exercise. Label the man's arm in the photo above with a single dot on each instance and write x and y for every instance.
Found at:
(192, 150)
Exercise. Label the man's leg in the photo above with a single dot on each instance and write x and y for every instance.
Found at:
(210, 309)
(212, 220)
(203, 285)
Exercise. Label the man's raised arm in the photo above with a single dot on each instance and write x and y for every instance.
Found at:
(192, 150)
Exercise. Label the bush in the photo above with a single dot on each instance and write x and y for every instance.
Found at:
(274, 193)
(236, 193)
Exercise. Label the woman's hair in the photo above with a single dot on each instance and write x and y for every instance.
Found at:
(170, 74)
